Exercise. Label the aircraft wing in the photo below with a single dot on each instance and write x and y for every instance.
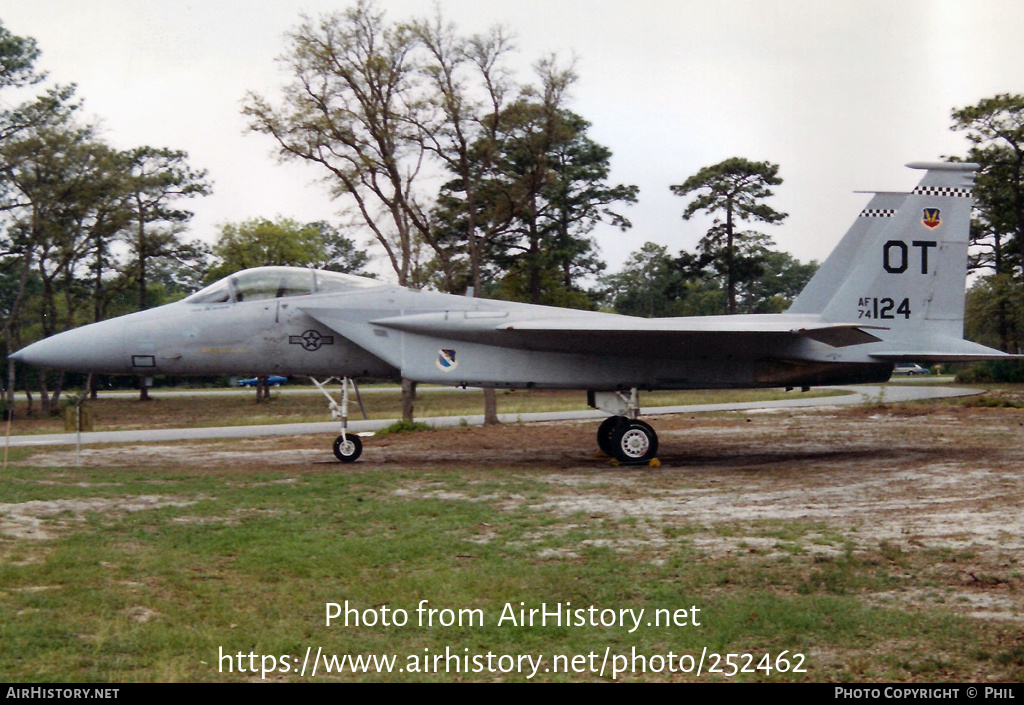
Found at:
(626, 335)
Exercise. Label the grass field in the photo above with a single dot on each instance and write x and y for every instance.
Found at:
(878, 544)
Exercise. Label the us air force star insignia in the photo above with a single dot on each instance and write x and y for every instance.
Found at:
(931, 218)
(311, 340)
(446, 360)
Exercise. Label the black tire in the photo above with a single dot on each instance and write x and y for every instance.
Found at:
(348, 452)
(634, 443)
(605, 432)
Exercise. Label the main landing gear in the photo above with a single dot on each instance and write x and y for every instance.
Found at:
(348, 446)
(623, 436)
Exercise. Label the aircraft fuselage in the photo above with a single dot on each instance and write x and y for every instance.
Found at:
(279, 336)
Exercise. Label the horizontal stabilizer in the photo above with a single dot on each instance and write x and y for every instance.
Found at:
(935, 356)
(942, 350)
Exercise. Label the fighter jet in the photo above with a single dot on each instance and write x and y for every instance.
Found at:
(891, 291)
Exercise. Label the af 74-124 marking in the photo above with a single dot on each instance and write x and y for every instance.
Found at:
(884, 309)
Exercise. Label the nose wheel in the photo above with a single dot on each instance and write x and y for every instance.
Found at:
(348, 448)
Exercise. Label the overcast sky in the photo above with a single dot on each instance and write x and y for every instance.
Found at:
(839, 94)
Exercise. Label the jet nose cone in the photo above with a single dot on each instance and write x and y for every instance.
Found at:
(37, 354)
(94, 348)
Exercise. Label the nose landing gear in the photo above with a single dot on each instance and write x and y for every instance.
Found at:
(348, 446)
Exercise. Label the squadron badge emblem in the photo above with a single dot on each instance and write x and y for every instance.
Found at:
(446, 360)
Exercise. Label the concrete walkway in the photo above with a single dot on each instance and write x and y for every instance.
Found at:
(857, 395)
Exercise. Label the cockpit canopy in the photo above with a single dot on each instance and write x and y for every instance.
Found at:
(277, 282)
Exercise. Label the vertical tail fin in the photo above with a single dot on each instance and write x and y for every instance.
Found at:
(903, 265)
(851, 249)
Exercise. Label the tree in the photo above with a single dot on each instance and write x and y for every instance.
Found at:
(55, 107)
(552, 178)
(995, 126)
(18, 57)
(17, 60)
(646, 285)
(259, 242)
(992, 241)
(351, 109)
(467, 87)
(993, 316)
(66, 186)
(580, 198)
(740, 259)
(736, 188)
(548, 190)
(528, 186)
(340, 253)
(654, 284)
(781, 278)
(156, 179)
(66, 196)
(180, 273)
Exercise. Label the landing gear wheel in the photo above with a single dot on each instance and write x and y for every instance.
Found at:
(605, 431)
(348, 448)
(634, 443)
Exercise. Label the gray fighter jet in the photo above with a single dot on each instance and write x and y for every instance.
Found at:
(892, 291)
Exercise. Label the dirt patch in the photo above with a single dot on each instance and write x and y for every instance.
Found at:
(39, 520)
(248, 452)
